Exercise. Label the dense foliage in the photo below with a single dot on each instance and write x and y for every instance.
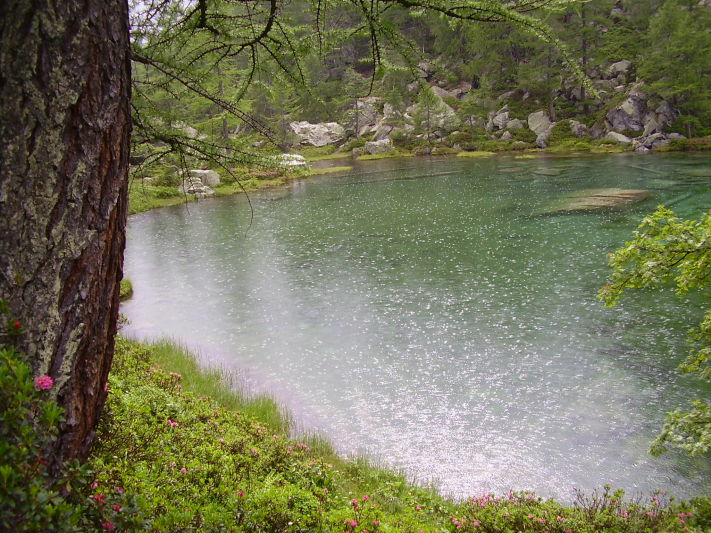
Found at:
(668, 250)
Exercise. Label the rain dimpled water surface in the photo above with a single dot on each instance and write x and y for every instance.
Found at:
(435, 315)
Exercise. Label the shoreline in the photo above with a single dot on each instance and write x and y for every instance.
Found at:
(157, 197)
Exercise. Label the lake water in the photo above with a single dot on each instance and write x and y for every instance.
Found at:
(428, 313)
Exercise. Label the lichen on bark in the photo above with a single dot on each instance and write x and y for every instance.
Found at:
(64, 146)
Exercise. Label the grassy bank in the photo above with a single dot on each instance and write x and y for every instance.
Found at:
(144, 196)
(180, 450)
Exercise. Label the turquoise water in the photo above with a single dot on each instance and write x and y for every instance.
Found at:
(434, 315)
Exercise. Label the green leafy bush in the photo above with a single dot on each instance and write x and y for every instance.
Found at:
(31, 498)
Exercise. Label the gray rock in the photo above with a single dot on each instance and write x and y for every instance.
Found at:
(318, 134)
(443, 93)
(579, 129)
(675, 135)
(290, 160)
(382, 130)
(379, 147)
(629, 115)
(618, 137)
(507, 136)
(193, 185)
(654, 140)
(514, 124)
(539, 122)
(500, 120)
(623, 68)
(508, 95)
(206, 177)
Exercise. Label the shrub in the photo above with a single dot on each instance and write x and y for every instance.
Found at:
(31, 499)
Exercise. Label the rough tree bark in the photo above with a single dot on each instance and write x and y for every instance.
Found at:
(64, 147)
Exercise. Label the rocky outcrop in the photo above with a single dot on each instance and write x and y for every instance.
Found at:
(630, 114)
(618, 137)
(442, 116)
(379, 147)
(206, 177)
(622, 71)
(318, 134)
(194, 185)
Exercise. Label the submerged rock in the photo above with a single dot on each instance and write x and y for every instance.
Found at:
(597, 200)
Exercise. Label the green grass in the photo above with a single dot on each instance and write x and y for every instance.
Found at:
(221, 386)
(191, 451)
(476, 154)
(126, 289)
(385, 155)
(331, 170)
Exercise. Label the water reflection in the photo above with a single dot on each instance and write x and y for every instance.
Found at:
(441, 325)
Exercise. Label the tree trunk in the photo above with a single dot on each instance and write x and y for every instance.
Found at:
(64, 102)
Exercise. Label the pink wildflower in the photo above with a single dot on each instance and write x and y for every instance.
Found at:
(171, 423)
(17, 324)
(44, 382)
(531, 516)
(326, 491)
(375, 523)
(365, 498)
(99, 497)
(559, 518)
(183, 470)
(541, 520)
(119, 490)
(108, 526)
(418, 508)
(354, 502)
(116, 507)
(476, 524)
(352, 523)
(240, 493)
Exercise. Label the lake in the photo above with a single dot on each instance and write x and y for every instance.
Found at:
(434, 315)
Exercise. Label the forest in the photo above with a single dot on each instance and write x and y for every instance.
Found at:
(114, 107)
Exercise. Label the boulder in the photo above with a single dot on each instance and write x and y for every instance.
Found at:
(382, 130)
(507, 136)
(500, 120)
(193, 185)
(618, 137)
(655, 140)
(442, 116)
(366, 116)
(206, 177)
(579, 129)
(379, 147)
(629, 115)
(318, 134)
(539, 122)
(514, 124)
(290, 160)
(443, 93)
(621, 68)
